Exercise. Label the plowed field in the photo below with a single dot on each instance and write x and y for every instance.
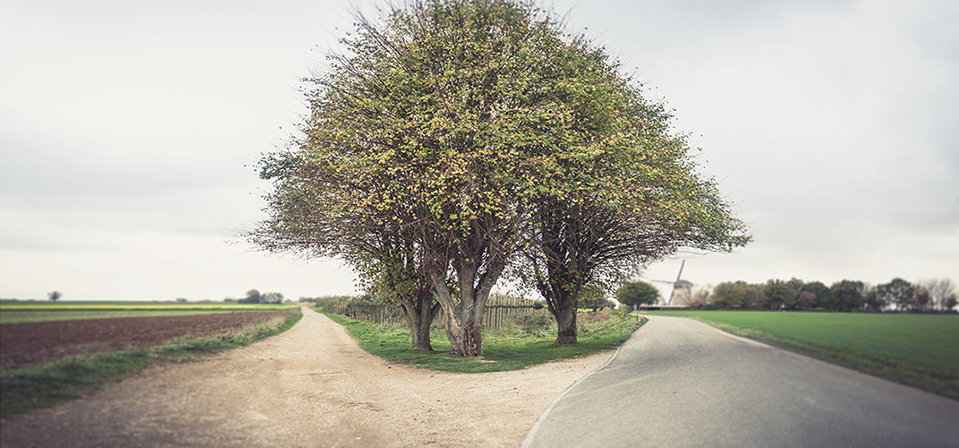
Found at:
(26, 344)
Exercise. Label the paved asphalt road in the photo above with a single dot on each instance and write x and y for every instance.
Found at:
(681, 383)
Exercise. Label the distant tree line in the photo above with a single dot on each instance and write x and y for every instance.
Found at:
(936, 295)
(254, 296)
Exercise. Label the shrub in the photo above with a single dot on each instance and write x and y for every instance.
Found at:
(532, 322)
(623, 312)
(332, 304)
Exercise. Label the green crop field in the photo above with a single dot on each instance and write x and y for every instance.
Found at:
(914, 349)
(12, 312)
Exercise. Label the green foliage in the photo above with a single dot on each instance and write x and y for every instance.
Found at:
(594, 298)
(732, 295)
(254, 296)
(454, 133)
(332, 304)
(532, 322)
(366, 305)
(503, 350)
(623, 312)
(821, 295)
(848, 295)
(918, 350)
(897, 292)
(780, 294)
(634, 294)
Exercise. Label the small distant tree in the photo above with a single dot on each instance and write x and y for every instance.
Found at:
(780, 294)
(821, 295)
(942, 293)
(54, 296)
(594, 298)
(700, 297)
(848, 295)
(739, 294)
(728, 295)
(271, 297)
(920, 298)
(873, 301)
(897, 292)
(806, 300)
(252, 296)
(634, 294)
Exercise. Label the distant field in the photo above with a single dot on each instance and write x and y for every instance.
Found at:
(20, 312)
(919, 350)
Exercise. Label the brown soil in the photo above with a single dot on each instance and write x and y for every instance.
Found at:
(32, 343)
(311, 386)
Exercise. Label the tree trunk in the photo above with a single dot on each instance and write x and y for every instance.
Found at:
(565, 317)
(463, 318)
(419, 318)
(467, 341)
(561, 302)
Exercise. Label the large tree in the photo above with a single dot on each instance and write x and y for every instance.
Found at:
(467, 130)
(304, 218)
(620, 188)
(433, 124)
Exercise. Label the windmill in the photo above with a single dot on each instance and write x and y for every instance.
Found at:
(675, 284)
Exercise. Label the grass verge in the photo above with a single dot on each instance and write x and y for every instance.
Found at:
(25, 389)
(921, 351)
(506, 349)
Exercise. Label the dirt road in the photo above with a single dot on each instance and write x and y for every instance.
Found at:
(309, 387)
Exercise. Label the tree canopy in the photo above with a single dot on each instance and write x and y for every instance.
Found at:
(452, 134)
(634, 294)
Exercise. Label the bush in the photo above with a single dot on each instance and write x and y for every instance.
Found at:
(332, 304)
(532, 322)
(623, 312)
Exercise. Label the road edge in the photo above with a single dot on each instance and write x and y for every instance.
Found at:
(528, 441)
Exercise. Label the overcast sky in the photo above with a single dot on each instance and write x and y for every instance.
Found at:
(129, 131)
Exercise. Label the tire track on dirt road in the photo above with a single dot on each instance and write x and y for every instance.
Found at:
(311, 386)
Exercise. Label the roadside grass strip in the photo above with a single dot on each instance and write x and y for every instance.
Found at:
(919, 350)
(505, 349)
(25, 389)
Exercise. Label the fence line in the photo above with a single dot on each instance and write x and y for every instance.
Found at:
(500, 311)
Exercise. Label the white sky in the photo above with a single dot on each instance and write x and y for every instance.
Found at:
(129, 131)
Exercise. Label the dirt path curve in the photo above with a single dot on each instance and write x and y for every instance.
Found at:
(311, 386)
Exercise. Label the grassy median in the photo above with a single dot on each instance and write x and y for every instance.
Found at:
(509, 348)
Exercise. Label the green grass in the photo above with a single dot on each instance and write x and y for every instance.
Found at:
(21, 312)
(508, 349)
(914, 349)
(22, 390)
